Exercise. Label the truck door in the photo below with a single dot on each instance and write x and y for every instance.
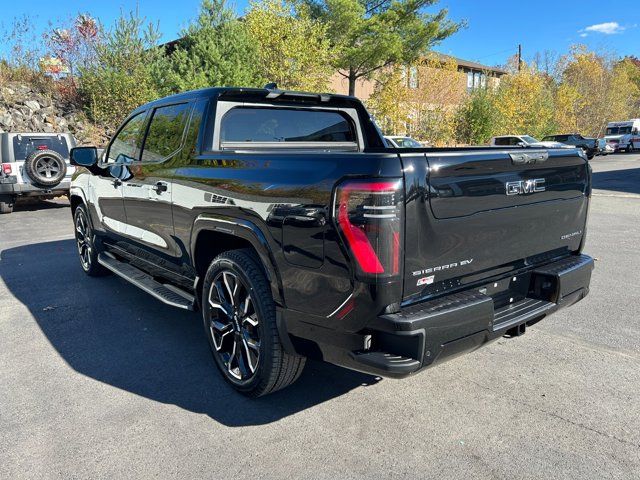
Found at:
(105, 189)
(147, 190)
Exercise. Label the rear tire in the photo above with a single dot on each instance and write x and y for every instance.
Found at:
(6, 207)
(239, 318)
(87, 251)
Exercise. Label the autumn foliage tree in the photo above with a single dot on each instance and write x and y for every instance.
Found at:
(293, 49)
(595, 90)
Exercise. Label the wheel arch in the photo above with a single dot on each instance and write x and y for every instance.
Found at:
(227, 233)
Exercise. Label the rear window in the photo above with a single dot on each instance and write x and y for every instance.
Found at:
(23, 146)
(164, 137)
(281, 125)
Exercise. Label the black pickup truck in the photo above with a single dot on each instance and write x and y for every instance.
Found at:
(283, 218)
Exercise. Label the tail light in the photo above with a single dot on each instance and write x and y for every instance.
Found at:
(6, 168)
(368, 214)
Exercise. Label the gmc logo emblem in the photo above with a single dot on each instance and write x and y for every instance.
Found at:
(524, 187)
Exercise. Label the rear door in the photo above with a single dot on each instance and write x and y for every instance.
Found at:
(485, 212)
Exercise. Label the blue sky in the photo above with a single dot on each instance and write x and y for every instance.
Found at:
(494, 27)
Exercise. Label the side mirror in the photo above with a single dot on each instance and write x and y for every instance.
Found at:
(522, 144)
(84, 156)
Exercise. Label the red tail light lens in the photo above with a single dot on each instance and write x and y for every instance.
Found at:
(368, 215)
(6, 168)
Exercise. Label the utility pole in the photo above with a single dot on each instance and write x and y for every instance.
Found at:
(519, 57)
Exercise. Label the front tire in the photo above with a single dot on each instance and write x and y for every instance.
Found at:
(84, 241)
(240, 323)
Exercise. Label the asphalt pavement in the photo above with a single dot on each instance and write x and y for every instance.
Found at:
(99, 380)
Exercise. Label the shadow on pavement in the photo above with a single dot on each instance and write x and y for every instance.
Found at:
(112, 332)
(33, 204)
(625, 180)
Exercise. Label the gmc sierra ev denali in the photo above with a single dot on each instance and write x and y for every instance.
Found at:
(285, 221)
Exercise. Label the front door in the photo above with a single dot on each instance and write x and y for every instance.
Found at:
(147, 192)
(106, 189)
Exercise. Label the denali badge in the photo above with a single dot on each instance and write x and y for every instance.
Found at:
(523, 187)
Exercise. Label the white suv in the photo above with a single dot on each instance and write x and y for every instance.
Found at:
(34, 165)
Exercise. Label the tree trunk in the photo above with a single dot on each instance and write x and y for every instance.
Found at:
(352, 82)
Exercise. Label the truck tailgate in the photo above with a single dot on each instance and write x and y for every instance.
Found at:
(473, 214)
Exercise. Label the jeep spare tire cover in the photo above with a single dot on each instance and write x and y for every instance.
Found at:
(45, 168)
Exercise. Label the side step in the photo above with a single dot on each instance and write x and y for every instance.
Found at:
(387, 362)
(165, 293)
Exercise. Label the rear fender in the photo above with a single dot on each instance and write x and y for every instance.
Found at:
(248, 231)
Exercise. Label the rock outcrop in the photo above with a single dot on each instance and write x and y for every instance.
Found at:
(25, 109)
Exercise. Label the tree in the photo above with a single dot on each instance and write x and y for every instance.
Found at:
(119, 77)
(214, 51)
(525, 104)
(368, 35)
(476, 117)
(74, 45)
(390, 103)
(293, 51)
(595, 90)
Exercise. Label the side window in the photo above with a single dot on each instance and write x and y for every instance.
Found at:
(164, 137)
(501, 141)
(514, 140)
(125, 145)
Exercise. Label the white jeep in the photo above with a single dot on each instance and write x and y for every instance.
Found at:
(34, 165)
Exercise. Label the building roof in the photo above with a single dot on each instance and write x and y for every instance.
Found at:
(472, 65)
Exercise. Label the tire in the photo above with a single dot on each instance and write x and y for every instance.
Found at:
(87, 251)
(45, 168)
(242, 333)
(6, 207)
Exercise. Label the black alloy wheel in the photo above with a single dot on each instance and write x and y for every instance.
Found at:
(84, 242)
(239, 317)
(234, 326)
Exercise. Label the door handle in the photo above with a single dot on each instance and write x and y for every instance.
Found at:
(160, 187)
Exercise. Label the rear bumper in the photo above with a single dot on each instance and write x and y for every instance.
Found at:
(425, 334)
(8, 186)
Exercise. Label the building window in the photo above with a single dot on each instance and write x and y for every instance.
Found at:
(476, 80)
(413, 77)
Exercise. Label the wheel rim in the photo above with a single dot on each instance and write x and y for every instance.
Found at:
(83, 240)
(233, 324)
(47, 167)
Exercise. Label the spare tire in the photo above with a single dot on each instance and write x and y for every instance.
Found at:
(45, 168)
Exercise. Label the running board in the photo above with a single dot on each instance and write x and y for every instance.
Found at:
(165, 293)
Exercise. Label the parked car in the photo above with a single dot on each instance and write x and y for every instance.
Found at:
(285, 221)
(604, 148)
(624, 136)
(588, 145)
(402, 142)
(522, 141)
(34, 165)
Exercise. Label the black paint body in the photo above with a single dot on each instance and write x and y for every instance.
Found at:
(459, 227)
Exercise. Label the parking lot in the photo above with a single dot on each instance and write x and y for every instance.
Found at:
(99, 380)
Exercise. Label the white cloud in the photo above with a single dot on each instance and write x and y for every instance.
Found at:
(607, 28)
(584, 35)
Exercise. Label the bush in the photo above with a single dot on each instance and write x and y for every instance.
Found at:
(476, 117)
